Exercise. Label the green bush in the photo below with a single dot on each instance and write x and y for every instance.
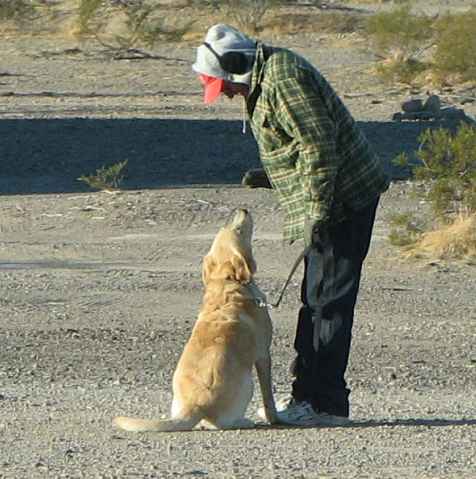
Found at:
(449, 168)
(400, 30)
(401, 37)
(446, 181)
(456, 45)
(16, 10)
(106, 178)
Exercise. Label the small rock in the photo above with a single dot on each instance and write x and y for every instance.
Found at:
(413, 105)
(433, 105)
(453, 113)
(467, 100)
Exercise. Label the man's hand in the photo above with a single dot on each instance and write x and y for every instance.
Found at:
(314, 231)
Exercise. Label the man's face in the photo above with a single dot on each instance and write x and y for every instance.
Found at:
(231, 89)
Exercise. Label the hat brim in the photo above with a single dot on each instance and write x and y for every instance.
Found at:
(212, 88)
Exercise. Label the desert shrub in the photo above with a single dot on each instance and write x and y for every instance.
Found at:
(400, 30)
(405, 230)
(106, 178)
(246, 15)
(374, 1)
(148, 25)
(321, 22)
(16, 10)
(337, 22)
(143, 22)
(446, 177)
(449, 168)
(456, 240)
(399, 38)
(403, 70)
(88, 9)
(456, 45)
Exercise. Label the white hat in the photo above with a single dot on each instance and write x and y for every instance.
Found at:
(221, 39)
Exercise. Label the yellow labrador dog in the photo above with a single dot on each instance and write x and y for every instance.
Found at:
(213, 382)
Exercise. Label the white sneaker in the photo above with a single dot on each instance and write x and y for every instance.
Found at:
(301, 413)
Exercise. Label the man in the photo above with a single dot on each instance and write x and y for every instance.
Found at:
(328, 182)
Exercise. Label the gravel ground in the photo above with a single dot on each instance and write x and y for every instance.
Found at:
(98, 292)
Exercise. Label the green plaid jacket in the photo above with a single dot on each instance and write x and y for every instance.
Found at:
(317, 159)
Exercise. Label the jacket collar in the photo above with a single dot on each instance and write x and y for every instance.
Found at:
(263, 52)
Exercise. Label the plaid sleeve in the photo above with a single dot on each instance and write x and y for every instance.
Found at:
(303, 115)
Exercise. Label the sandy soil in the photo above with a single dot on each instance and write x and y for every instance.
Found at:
(98, 291)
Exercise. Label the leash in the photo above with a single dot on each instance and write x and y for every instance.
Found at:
(302, 255)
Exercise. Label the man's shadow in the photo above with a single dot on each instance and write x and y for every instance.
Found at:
(49, 155)
(412, 422)
(377, 423)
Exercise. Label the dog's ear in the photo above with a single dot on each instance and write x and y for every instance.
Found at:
(238, 268)
(208, 266)
(243, 268)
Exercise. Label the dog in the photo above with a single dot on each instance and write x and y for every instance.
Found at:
(213, 381)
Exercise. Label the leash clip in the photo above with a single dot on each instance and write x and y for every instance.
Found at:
(262, 304)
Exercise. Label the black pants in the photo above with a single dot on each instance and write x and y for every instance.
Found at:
(324, 330)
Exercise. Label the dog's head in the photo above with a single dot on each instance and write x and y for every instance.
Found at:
(231, 257)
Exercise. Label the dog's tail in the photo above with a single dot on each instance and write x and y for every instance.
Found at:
(183, 423)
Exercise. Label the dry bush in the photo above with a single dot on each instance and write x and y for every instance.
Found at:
(400, 69)
(454, 241)
(247, 15)
(318, 22)
(146, 24)
(373, 1)
(125, 25)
